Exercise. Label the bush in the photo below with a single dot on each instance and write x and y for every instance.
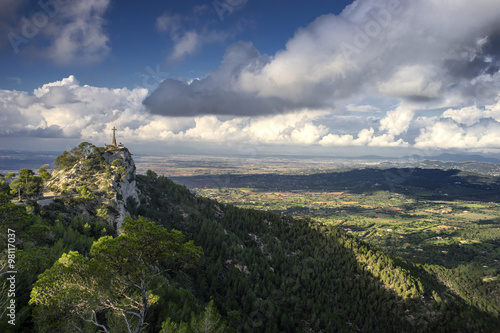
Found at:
(121, 171)
(85, 193)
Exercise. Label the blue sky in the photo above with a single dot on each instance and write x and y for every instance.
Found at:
(136, 44)
(237, 76)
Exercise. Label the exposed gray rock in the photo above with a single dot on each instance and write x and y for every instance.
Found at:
(124, 186)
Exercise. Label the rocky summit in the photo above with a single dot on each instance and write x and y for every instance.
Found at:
(104, 174)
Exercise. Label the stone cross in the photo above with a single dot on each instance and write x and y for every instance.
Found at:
(114, 138)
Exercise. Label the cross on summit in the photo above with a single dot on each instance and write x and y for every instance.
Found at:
(114, 137)
(114, 143)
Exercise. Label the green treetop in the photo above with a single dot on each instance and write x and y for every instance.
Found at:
(4, 186)
(27, 185)
(111, 290)
(44, 173)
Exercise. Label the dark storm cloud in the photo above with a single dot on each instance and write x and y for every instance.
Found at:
(53, 131)
(179, 99)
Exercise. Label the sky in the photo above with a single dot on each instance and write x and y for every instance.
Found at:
(252, 77)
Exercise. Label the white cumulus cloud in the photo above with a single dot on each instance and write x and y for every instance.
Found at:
(397, 121)
(448, 134)
(69, 109)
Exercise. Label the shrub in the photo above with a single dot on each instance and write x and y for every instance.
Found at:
(85, 193)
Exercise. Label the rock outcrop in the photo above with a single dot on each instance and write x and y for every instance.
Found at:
(98, 178)
(124, 183)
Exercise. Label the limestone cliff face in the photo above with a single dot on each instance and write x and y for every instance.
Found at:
(123, 183)
(101, 179)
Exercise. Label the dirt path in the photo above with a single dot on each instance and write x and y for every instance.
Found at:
(48, 198)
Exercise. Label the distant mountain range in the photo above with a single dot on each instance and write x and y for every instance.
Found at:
(15, 160)
(445, 157)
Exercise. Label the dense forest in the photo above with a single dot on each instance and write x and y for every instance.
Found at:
(185, 263)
